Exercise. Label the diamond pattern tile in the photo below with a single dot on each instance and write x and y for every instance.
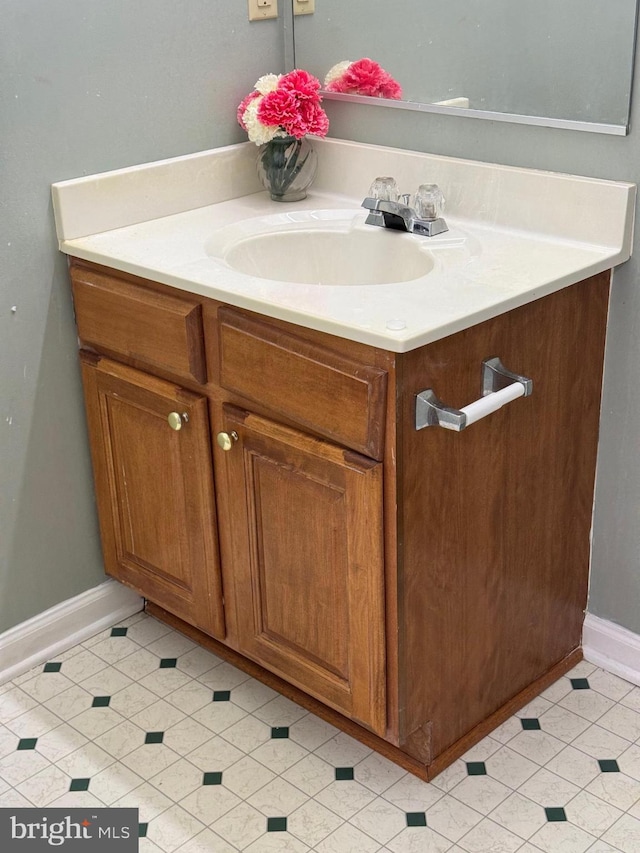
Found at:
(212, 779)
(555, 814)
(221, 695)
(140, 716)
(154, 737)
(344, 773)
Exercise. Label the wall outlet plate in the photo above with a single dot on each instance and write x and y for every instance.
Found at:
(304, 7)
(260, 10)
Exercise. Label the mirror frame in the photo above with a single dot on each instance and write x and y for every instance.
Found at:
(464, 112)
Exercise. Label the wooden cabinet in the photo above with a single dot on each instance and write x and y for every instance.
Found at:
(414, 587)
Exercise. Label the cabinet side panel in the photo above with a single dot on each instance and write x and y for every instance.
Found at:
(496, 519)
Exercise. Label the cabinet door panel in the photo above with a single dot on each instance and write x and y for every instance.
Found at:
(306, 549)
(155, 491)
(276, 492)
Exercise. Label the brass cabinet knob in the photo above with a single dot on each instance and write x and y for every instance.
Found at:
(176, 420)
(226, 439)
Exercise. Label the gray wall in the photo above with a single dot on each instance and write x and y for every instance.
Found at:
(86, 86)
(615, 580)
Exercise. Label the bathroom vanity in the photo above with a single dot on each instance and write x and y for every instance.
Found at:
(262, 482)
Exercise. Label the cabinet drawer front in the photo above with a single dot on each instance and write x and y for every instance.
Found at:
(129, 320)
(331, 394)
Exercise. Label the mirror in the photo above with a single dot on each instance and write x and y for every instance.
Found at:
(562, 63)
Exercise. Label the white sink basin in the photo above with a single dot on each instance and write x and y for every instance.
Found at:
(325, 247)
(515, 235)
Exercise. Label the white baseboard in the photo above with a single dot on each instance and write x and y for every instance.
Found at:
(41, 638)
(50, 633)
(611, 647)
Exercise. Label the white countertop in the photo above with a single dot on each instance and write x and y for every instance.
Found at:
(519, 234)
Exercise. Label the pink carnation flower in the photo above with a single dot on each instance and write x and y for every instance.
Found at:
(301, 83)
(366, 77)
(317, 120)
(310, 118)
(277, 107)
(243, 106)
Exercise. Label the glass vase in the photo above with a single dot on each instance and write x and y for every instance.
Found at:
(286, 167)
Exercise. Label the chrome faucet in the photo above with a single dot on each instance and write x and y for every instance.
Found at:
(389, 210)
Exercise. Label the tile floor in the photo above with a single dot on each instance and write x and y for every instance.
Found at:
(217, 762)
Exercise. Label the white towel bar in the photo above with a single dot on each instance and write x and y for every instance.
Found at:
(499, 386)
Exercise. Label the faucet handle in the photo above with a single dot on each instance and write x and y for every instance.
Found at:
(384, 188)
(429, 202)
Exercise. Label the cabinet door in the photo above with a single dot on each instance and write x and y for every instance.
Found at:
(154, 488)
(305, 550)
